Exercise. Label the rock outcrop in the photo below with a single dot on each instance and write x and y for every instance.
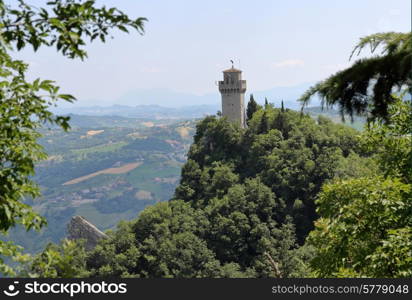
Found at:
(80, 228)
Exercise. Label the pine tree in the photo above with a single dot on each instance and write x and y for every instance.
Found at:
(252, 107)
(264, 124)
(367, 86)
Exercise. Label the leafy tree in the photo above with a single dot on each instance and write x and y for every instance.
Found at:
(365, 225)
(367, 86)
(216, 140)
(58, 261)
(24, 105)
(391, 141)
(64, 24)
(363, 221)
(393, 257)
(115, 256)
(300, 159)
(165, 241)
(226, 237)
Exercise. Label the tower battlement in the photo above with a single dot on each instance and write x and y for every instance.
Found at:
(232, 87)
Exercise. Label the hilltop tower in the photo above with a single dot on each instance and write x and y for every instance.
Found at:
(233, 90)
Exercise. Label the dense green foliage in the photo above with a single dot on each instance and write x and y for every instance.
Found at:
(290, 154)
(366, 87)
(24, 105)
(244, 205)
(66, 260)
(365, 229)
(360, 218)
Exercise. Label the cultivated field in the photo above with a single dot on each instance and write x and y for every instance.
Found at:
(119, 170)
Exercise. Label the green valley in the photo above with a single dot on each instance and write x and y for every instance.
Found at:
(106, 169)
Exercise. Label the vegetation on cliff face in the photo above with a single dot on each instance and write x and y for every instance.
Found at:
(287, 153)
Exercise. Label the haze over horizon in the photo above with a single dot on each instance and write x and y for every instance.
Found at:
(280, 46)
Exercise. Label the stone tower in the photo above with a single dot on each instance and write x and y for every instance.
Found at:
(233, 90)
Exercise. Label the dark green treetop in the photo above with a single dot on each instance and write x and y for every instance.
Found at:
(252, 107)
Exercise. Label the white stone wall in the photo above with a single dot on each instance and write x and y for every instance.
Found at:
(233, 107)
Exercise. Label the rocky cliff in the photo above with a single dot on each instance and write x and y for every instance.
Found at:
(80, 228)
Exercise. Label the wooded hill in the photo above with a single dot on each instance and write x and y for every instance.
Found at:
(244, 196)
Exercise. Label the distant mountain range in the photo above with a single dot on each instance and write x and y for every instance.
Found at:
(164, 103)
(150, 112)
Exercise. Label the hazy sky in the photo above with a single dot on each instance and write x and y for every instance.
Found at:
(188, 43)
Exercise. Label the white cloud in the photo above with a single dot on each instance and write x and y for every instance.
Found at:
(289, 63)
